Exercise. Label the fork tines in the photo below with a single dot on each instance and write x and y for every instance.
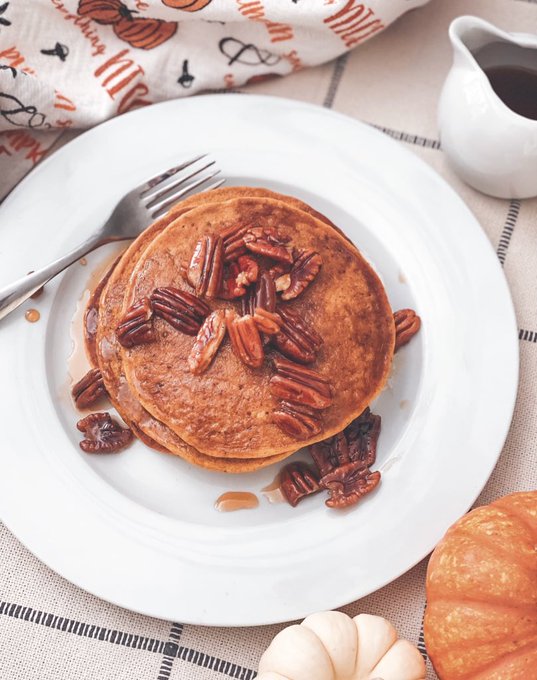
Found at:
(160, 194)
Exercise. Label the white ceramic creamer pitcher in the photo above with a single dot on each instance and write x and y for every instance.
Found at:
(491, 146)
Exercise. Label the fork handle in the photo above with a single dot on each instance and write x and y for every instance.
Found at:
(16, 293)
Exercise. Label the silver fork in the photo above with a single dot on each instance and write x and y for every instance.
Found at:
(134, 212)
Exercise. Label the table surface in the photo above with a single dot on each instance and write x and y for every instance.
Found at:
(51, 629)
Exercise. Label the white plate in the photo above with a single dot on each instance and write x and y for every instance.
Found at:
(139, 528)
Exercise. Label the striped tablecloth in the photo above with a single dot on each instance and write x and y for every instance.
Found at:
(50, 630)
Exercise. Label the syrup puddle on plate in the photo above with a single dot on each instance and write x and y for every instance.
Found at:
(32, 315)
(272, 492)
(236, 500)
(78, 363)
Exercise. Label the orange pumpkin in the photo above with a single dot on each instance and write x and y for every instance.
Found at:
(144, 34)
(481, 617)
(103, 11)
(187, 5)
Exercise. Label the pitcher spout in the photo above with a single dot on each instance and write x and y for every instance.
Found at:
(470, 34)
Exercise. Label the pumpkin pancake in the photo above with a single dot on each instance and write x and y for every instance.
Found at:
(151, 431)
(227, 411)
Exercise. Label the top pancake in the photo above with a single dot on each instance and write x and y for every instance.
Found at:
(227, 411)
(150, 430)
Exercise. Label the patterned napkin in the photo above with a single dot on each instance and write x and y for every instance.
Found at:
(74, 63)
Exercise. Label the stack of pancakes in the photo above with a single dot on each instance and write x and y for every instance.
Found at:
(222, 419)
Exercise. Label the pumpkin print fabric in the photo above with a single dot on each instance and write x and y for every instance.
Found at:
(141, 32)
(70, 64)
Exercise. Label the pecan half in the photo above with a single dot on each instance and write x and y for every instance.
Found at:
(306, 266)
(207, 266)
(324, 456)
(267, 241)
(136, 326)
(245, 339)
(297, 340)
(362, 437)
(207, 342)
(264, 295)
(348, 483)
(267, 322)
(407, 324)
(239, 276)
(357, 443)
(300, 385)
(330, 453)
(234, 245)
(297, 420)
(89, 389)
(182, 310)
(103, 434)
(297, 481)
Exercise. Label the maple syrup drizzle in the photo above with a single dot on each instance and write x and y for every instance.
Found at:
(79, 363)
(83, 261)
(272, 492)
(32, 315)
(236, 500)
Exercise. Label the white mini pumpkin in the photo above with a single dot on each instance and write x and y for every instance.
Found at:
(332, 646)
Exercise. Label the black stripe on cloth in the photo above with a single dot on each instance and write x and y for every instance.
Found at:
(224, 90)
(169, 649)
(337, 74)
(421, 637)
(529, 336)
(421, 641)
(508, 229)
(401, 136)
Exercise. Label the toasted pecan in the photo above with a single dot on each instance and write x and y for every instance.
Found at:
(306, 266)
(300, 385)
(207, 342)
(245, 339)
(298, 480)
(89, 389)
(267, 322)
(268, 242)
(206, 266)
(297, 420)
(182, 310)
(136, 325)
(407, 324)
(297, 340)
(103, 434)
(349, 483)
